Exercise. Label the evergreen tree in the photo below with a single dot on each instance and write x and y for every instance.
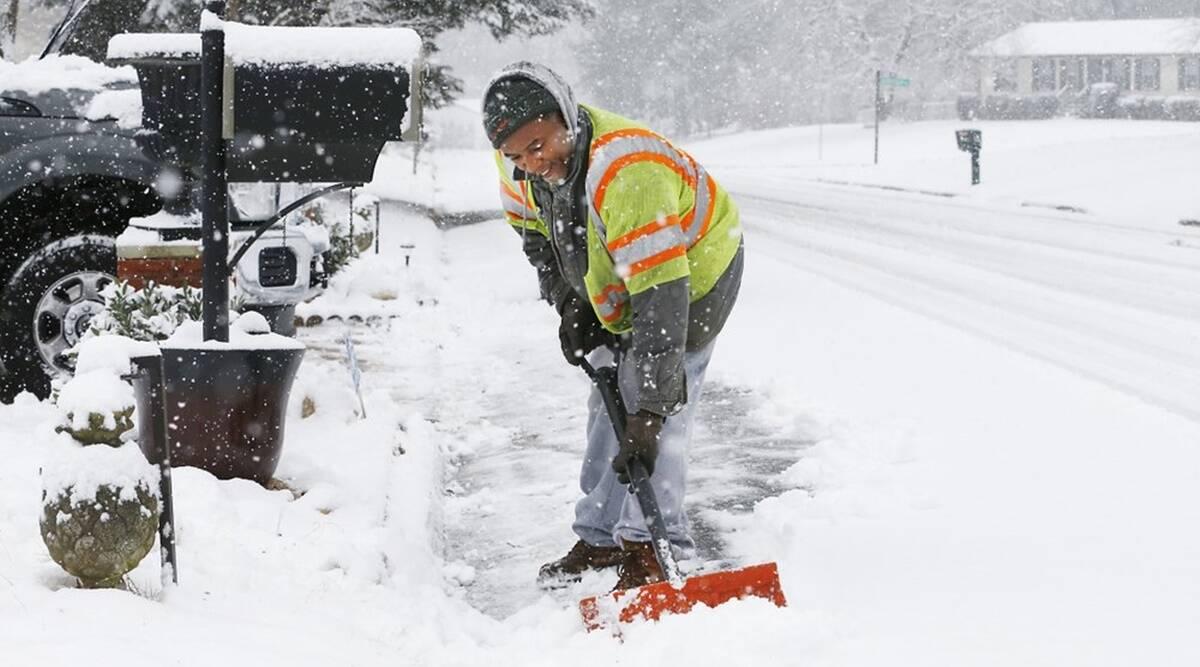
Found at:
(9, 12)
(504, 18)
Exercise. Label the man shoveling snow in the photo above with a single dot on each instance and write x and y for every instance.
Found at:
(640, 252)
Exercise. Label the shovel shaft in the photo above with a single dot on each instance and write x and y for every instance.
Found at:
(640, 482)
(605, 380)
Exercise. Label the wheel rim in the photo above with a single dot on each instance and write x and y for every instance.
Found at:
(64, 313)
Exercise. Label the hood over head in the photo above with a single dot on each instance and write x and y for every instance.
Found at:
(544, 77)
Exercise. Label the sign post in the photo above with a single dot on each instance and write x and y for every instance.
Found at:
(891, 80)
(878, 104)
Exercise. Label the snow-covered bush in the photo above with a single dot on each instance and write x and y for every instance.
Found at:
(1182, 107)
(364, 222)
(149, 314)
(1004, 106)
(99, 494)
(1101, 100)
(341, 247)
(1158, 107)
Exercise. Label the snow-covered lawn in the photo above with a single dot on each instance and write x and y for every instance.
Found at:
(962, 427)
(1136, 172)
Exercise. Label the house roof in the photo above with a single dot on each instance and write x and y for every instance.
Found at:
(1097, 38)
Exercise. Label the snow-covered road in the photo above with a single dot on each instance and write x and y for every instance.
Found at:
(1116, 304)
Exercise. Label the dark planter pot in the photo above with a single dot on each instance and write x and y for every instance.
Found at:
(225, 410)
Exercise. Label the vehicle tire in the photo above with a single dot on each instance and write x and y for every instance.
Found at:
(46, 307)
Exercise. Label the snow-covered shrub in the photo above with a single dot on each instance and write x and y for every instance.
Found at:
(1144, 107)
(1181, 107)
(1013, 107)
(342, 248)
(1158, 107)
(1102, 100)
(149, 314)
(99, 494)
(364, 222)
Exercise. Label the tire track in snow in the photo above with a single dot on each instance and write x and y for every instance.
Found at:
(1154, 282)
(1150, 352)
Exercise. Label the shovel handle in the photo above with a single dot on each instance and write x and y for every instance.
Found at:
(605, 380)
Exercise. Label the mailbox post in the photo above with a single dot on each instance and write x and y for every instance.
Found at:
(215, 187)
(971, 141)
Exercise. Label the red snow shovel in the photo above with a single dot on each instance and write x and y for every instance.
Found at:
(676, 595)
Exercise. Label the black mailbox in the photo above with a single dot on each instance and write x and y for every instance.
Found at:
(969, 140)
(284, 121)
(308, 124)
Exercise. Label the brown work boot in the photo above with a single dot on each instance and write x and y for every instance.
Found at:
(579, 559)
(639, 566)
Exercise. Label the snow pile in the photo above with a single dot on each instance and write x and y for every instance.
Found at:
(383, 286)
(247, 336)
(159, 220)
(97, 392)
(82, 470)
(123, 106)
(322, 47)
(281, 46)
(97, 387)
(34, 76)
(133, 46)
(111, 353)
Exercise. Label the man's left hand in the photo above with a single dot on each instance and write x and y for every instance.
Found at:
(579, 332)
(642, 431)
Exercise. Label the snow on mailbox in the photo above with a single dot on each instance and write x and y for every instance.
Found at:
(301, 104)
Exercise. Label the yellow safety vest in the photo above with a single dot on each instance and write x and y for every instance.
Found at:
(655, 215)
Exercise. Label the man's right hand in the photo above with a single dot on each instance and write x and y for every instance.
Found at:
(580, 331)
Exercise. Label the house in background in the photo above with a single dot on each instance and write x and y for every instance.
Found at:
(1138, 60)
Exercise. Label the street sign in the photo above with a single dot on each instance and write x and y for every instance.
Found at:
(895, 81)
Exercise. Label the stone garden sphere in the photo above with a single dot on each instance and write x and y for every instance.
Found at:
(100, 539)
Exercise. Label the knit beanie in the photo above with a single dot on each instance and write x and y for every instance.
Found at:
(510, 103)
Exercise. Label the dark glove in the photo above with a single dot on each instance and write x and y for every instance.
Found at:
(580, 332)
(642, 431)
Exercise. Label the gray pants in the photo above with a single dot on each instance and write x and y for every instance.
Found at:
(608, 513)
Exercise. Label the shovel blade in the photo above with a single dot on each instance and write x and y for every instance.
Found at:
(653, 600)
